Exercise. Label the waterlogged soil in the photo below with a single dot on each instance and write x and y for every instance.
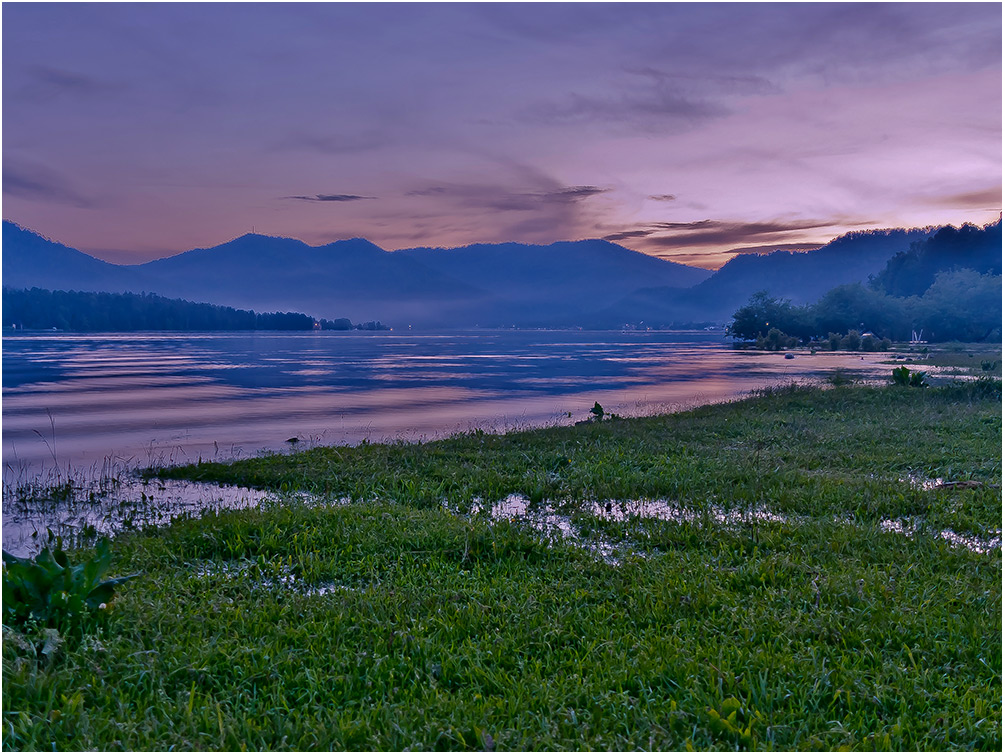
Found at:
(912, 527)
(557, 522)
(87, 511)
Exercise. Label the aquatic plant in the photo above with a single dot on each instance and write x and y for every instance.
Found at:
(50, 591)
(903, 376)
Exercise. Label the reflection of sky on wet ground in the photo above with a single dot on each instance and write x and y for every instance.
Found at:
(126, 504)
(175, 397)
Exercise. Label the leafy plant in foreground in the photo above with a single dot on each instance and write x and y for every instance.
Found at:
(599, 413)
(50, 591)
(903, 376)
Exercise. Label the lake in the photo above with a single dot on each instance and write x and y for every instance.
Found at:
(87, 400)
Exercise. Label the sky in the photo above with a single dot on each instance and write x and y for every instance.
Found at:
(685, 131)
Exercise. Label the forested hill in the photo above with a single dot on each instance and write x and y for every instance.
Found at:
(948, 288)
(39, 309)
(912, 272)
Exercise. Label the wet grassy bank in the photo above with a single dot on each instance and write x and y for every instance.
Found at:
(789, 571)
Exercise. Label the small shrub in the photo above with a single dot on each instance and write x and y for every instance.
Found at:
(838, 378)
(984, 387)
(851, 341)
(776, 339)
(834, 341)
(49, 591)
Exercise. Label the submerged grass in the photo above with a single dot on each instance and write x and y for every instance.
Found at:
(399, 619)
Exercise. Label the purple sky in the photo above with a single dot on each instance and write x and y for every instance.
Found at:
(135, 131)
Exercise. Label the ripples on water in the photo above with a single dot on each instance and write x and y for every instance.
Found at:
(94, 406)
(144, 399)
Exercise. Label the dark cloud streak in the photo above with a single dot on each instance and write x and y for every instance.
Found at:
(704, 233)
(330, 198)
(335, 144)
(504, 199)
(42, 83)
(40, 184)
(990, 199)
(649, 112)
(708, 82)
(624, 235)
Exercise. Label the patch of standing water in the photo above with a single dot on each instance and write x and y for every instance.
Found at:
(672, 511)
(130, 503)
(940, 483)
(902, 526)
(909, 527)
(284, 578)
(557, 526)
(972, 542)
(545, 520)
(923, 483)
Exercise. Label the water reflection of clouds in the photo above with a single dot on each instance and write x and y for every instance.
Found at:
(117, 392)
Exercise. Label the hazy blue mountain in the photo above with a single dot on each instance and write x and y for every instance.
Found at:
(352, 278)
(484, 285)
(32, 260)
(582, 283)
(594, 269)
(802, 277)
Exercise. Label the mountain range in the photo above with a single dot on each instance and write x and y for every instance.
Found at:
(801, 277)
(590, 283)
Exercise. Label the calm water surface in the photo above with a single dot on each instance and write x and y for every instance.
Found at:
(82, 400)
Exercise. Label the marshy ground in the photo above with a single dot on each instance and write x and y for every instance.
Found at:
(789, 571)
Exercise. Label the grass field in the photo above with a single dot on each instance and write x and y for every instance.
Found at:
(804, 584)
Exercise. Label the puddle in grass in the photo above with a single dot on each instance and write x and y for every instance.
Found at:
(940, 483)
(107, 509)
(973, 542)
(545, 520)
(923, 483)
(558, 526)
(909, 527)
(284, 579)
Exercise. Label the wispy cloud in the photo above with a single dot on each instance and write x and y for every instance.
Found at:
(44, 83)
(663, 197)
(650, 99)
(522, 203)
(707, 82)
(650, 111)
(713, 260)
(503, 198)
(332, 144)
(625, 235)
(41, 184)
(661, 236)
(985, 199)
(330, 198)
